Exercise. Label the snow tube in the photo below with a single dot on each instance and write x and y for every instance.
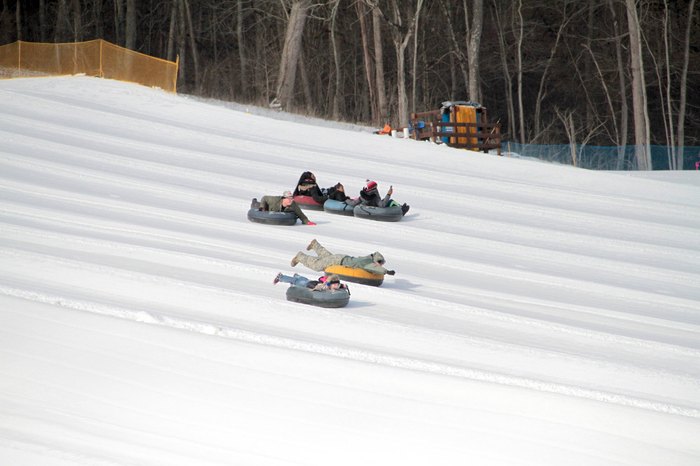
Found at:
(272, 218)
(355, 275)
(337, 207)
(308, 203)
(302, 294)
(383, 214)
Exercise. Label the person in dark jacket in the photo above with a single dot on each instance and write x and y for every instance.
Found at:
(307, 186)
(337, 193)
(373, 263)
(369, 195)
(283, 203)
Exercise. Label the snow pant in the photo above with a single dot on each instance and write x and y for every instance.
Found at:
(323, 258)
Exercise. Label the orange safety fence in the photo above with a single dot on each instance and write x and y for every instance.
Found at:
(93, 58)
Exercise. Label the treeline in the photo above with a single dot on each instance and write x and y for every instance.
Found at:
(599, 72)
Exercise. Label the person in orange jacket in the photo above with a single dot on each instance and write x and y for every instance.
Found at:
(385, 130)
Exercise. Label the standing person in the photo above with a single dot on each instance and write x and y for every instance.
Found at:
(373, 263)
(307, 186)
(283, 203)
(369, 196)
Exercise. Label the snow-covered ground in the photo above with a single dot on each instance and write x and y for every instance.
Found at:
(539, 315)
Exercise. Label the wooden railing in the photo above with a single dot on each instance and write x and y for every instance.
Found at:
(482, 136)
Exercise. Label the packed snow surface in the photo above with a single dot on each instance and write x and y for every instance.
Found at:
(540, 314)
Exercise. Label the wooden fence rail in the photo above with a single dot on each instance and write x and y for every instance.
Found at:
(482, 136)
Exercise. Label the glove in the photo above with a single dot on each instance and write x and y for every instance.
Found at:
(311, 224)
(390, 272)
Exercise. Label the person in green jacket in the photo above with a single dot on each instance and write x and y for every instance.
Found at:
(374, 263)
(283, 203)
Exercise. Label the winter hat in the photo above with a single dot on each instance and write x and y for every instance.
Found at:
(377, 257)
(287, 194)
(371, 185)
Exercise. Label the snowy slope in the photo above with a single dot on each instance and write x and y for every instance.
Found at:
(540, 314)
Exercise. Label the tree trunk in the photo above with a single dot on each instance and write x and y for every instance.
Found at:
(401, 84)
(591, 111)
(474, 48)
(543, 79)
(172, 39)
(193, 44)
(98, 19)
(42, 20)
(181, 42)
(18, 20)
(507, 79)
(131, 17)
(519, 65)
(567, 120)
(379, 66)
(119, 21)
(242, 59)
(306, 85)
(290, 53)
(456, 53)
(639, 98)
(337, 94)
(401, 32)
(414, 66)
(670, 132)
(61, 21)
(683, 89)
(77, 22)
(622, 83)
(367, 60)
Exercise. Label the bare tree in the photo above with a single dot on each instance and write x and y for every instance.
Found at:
(361, 9)
(379, 65)
(474, 31)
(97, 18)
(119, 21)
(242, 57)
(519, 69)
(665, 91)
(172, 32)
(566, 17)
(507, 79)
(338, 90)
(639, 97)
(187, 22)
(684, 88)
(456, 51)
(414, 65)
(401, 31)
(131, 16)
(62, 21)
(290, 52)
(622, 87)
(18, 20)
(43, 27)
